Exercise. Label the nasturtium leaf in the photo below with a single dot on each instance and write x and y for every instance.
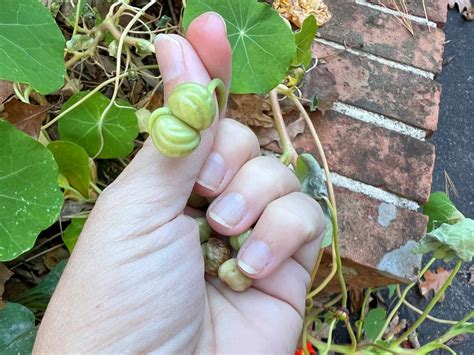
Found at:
(374, 322)
(440, 209)
(38, 297)
(83, 125)
(30, 198)
(304, 39)
(73, 163)
(72, 232)
(31, 46)
(449, 240)
(17, 329)
(391, 290)
(263, 45)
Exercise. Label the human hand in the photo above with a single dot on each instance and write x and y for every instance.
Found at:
(135, 281)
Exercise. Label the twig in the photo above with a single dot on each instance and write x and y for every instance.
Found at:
(172, 12)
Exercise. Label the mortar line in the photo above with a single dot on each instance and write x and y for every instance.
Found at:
(373, 192)
(378, 120)
(378, 59)
(383, 9)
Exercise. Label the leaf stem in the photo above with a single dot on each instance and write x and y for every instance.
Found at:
(430, 317)
(362, 312)
(430, 306)
(400, 301)
(289, 153)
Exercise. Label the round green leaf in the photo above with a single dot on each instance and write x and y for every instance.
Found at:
(440, 209)
(374, 322)
(31, 46)
(263, 45)
(83, 126)
(30, 199)
(17, 329)
(73, 163)
(72, 232)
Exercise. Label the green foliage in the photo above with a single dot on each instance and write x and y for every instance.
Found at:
(449, 241)
(374, 322)
(73, 163)
(391, 290)
(311, 177)
(72, 232)
(304, 39)
(17, 329)
(263, 46)
(31, 46)
(30, 199)
(37, 298)
(440, 209)
(110, 137)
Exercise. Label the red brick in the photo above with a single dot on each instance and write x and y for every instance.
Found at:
(371, 235)
(436, 10)
(373, 155)
(378, 88)
(375, 32)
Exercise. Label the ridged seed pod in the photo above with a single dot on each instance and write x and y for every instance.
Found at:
(215, 252)
(194, 104)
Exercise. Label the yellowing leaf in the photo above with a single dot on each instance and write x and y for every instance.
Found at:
(296, 11)
(434, 281)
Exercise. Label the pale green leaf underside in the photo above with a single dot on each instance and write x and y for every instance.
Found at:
(263, 46)
(82, 126)
(73, 163)
(31, 45)
(30, 199)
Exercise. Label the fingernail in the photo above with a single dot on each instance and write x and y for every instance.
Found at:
(212, 172)
(170, 57)
(254, 257)
(229, 210)
(214, 16)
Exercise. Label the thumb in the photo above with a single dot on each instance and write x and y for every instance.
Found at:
(154, 188)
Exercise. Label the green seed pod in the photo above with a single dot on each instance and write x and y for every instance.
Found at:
(215, 252)
(230, 273)
(194, 104)
(172, 136)
(237, 241)
(204, 229)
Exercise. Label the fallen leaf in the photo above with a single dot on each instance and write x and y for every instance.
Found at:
(356, 297)
(6, 90)
(251, 110)
(266, 136)
(465, 8)
(26, 117)
(54, 257)
(5, 274)
(396, 326)
(434, 281)
(319, 82)
(296, 11)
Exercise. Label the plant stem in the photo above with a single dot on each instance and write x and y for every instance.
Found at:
(362, 312)
(289, 153)
(332, 197)
(351, 333)
(419, 311)
(76, 20)
(430, 306)
(400, 301)
(328, 345)
(333, 271)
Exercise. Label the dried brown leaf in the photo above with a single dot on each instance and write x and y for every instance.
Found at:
(356, 297)
(434, 281)
(322, 83)
(53, 257)
(5, 274)
(6, 90)
(465, 8)
(267, 136)
(251, 110)
(296, 11)
(26, 117)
